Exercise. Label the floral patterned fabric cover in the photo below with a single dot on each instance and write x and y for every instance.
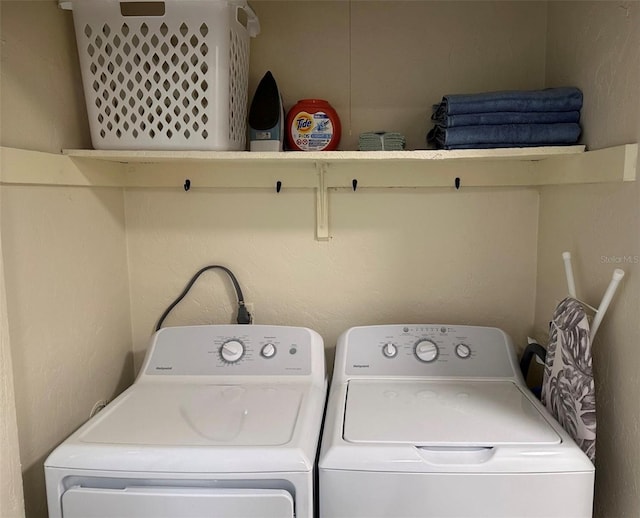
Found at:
(568, 390)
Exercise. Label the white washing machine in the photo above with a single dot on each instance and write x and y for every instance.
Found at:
(223, 421)
(436, 421)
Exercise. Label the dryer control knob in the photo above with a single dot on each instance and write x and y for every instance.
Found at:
(232, 351)
(268, 350)
(426, 351)
(463, 351)
(389, 350)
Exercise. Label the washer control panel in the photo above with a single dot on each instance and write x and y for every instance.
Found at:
(232, 350)
(426, 350)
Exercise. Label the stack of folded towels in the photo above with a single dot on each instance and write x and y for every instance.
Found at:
(381, 141)
(507, 119)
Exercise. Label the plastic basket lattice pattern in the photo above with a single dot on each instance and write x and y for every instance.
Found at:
(176, 81)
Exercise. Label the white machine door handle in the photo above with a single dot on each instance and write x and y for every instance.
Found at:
(464, 455)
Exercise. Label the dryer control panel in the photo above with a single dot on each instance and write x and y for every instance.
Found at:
(234, 350)
(425, 350)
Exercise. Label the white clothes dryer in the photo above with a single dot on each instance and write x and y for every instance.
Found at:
(436, 421)
(222, 421)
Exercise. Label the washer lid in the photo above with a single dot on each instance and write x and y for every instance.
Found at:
(165, 414)
(443, 413)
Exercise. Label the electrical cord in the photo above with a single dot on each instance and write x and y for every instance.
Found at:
(244, 317)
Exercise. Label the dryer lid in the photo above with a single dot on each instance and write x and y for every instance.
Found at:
(165, 414)
(443, 413)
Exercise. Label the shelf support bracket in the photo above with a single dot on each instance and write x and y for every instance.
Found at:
(322, 203)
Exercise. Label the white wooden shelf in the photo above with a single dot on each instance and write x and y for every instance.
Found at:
(331, 156)
(322, 171)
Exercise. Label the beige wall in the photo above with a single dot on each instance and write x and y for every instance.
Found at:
(68, 307)
(400, 256)
(382, 65)
(64, 251)
(11, 491)
(11, 499)
(42, 104)
(392, 257)
(596, 46)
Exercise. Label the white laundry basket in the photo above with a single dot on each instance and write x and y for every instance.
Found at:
(165, 75)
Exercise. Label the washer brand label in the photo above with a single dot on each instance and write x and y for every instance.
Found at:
(360, 366)
(164, 368)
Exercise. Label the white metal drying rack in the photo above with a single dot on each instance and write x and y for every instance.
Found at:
(618, 274)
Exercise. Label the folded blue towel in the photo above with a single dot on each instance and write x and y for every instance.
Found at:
(505, 135)
(547, 100)
(477, 119)
(501, 145)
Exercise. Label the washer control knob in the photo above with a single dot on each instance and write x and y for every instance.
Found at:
(268, 350)
(463, 351)
(232, 351)
(426, 351)
(389, 350)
